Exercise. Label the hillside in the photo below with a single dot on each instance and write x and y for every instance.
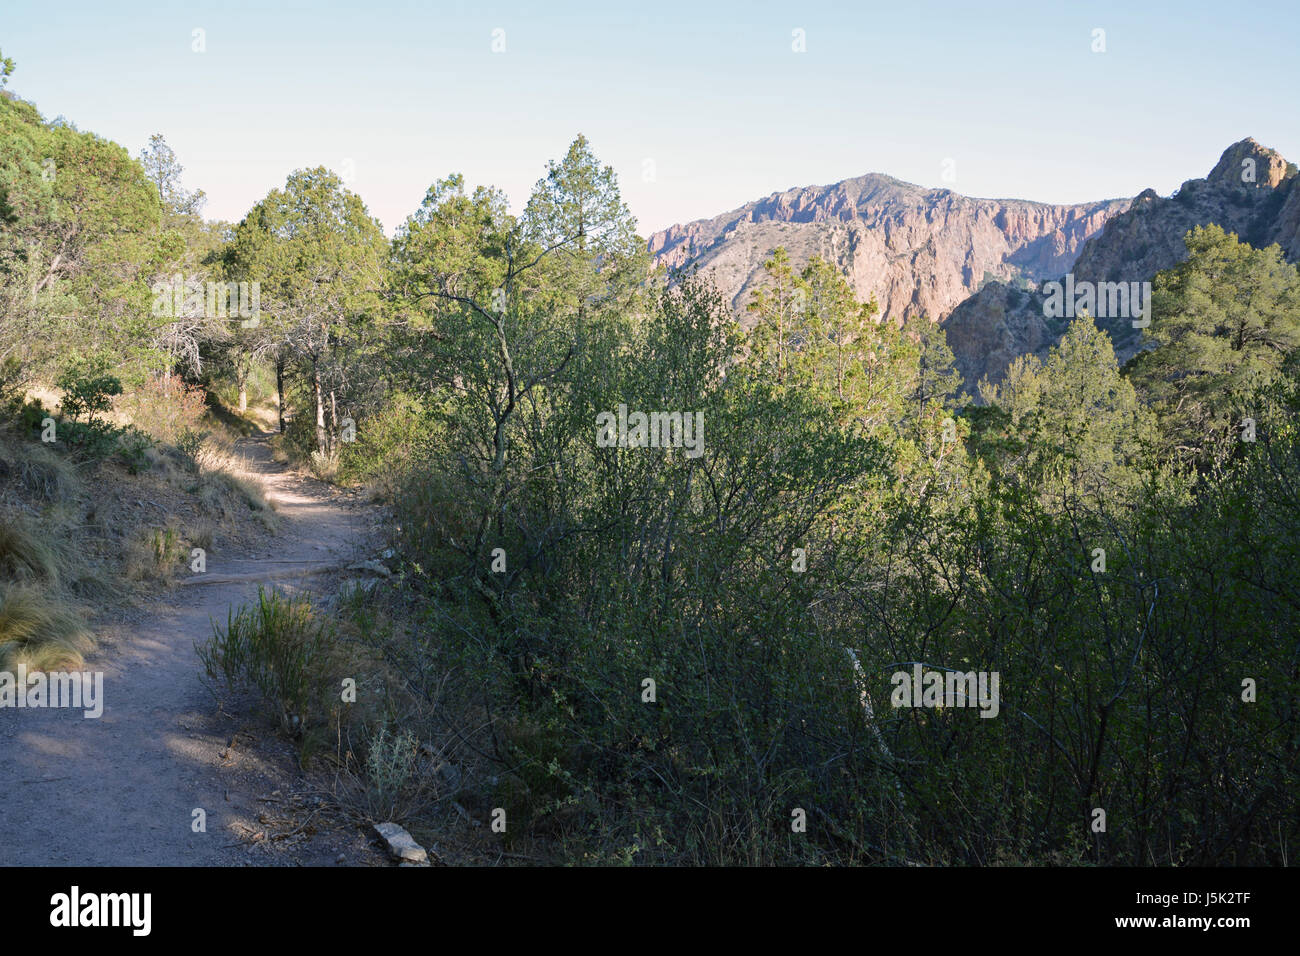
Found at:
(918, 251)
(1252, 191)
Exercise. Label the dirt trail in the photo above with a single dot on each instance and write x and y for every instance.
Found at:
(121, 789)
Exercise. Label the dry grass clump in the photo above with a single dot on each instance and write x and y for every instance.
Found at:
(25, 554)
(156, 554)
(226, 484)
(39, 630)
(164, 406)
(40, 472)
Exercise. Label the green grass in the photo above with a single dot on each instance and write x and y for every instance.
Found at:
(279, 646)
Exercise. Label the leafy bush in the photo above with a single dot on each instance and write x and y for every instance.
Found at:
(299, 438)
(88, 389)
(30, 416)
(636, 568)
(189, 443)
(385, 440)
(90, 440)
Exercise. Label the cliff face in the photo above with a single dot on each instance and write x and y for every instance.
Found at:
(1251, 191)
(918, 251)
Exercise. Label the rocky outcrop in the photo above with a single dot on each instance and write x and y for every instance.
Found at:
(918, 251)
(1252, 191)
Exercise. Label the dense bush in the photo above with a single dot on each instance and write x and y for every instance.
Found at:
(565, 575)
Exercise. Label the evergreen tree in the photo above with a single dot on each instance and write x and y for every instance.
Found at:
(1223, 323)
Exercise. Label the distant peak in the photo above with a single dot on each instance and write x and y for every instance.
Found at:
(1250, 164)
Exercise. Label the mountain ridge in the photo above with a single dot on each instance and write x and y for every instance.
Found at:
(976, 265)
(919, 250)
(1252, 191)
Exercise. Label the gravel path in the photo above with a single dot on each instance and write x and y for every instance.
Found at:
(122, 789)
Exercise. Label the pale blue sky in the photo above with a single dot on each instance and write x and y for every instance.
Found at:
(712, 93)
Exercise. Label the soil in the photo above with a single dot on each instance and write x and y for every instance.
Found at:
(122, 789)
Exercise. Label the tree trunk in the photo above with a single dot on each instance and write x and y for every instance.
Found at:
(243, 398)
(279, 389)
(320, 409)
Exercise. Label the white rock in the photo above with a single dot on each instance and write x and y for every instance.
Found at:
(401, 845)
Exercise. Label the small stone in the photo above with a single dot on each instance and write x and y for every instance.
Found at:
(401, 845)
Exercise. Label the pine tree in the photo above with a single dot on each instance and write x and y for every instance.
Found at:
(1222, 325)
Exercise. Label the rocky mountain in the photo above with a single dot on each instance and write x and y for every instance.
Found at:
(918, 251)
(1252, 191)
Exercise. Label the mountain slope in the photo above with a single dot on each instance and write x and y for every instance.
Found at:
(918, 251)
(1252, 191)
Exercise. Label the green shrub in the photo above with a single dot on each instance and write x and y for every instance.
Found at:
(281, 647)
(189, 443)
(88, 389)
(30, 417)
(89, 440)
(385, 440)
(133, 449)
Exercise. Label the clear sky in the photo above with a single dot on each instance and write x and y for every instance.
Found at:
(700, 106)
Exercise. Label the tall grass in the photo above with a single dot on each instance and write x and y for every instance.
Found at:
(40, 472)
(280, 647)
(39, 631)
(26, 555)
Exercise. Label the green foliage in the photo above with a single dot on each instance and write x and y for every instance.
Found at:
(385, 441)
(189, 443)
(1118, 546)
(88, 389)
(1223, 322)
(77, 242)
(30, 415)
(317, 254)
(1077, 418)
(281, 647)
(840, 436)
(132, 447)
